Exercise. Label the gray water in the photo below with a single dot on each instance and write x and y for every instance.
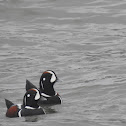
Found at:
(83, 41)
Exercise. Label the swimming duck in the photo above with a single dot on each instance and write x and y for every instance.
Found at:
(46, 88)
(30, 104)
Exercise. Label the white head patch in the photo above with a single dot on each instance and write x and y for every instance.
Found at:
(28, 95)
(53, 78)
(37, 95)
(44, 79)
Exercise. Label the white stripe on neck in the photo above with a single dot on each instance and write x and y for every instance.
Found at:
(48, 96)
(45, 95)
(19, 113)
(28, 107)
(42, 85)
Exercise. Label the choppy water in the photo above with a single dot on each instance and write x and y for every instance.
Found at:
(83, 41)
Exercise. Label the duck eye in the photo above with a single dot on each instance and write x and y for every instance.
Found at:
(28, 95)
(44, 79)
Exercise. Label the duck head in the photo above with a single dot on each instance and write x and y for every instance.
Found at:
(47, 81)
(31, 96)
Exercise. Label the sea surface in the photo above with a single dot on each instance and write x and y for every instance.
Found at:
(83, 41)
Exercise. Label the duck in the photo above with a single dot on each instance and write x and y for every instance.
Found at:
(30, 104)
(46, 87)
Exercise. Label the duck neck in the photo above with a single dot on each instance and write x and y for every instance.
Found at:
(48, 89)
(50, 92)
(33, 104)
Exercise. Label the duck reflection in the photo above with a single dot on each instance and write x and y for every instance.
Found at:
(49, 110)
(31, 119)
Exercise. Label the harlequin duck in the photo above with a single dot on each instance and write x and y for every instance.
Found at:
(30, 104)
(48, 94)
